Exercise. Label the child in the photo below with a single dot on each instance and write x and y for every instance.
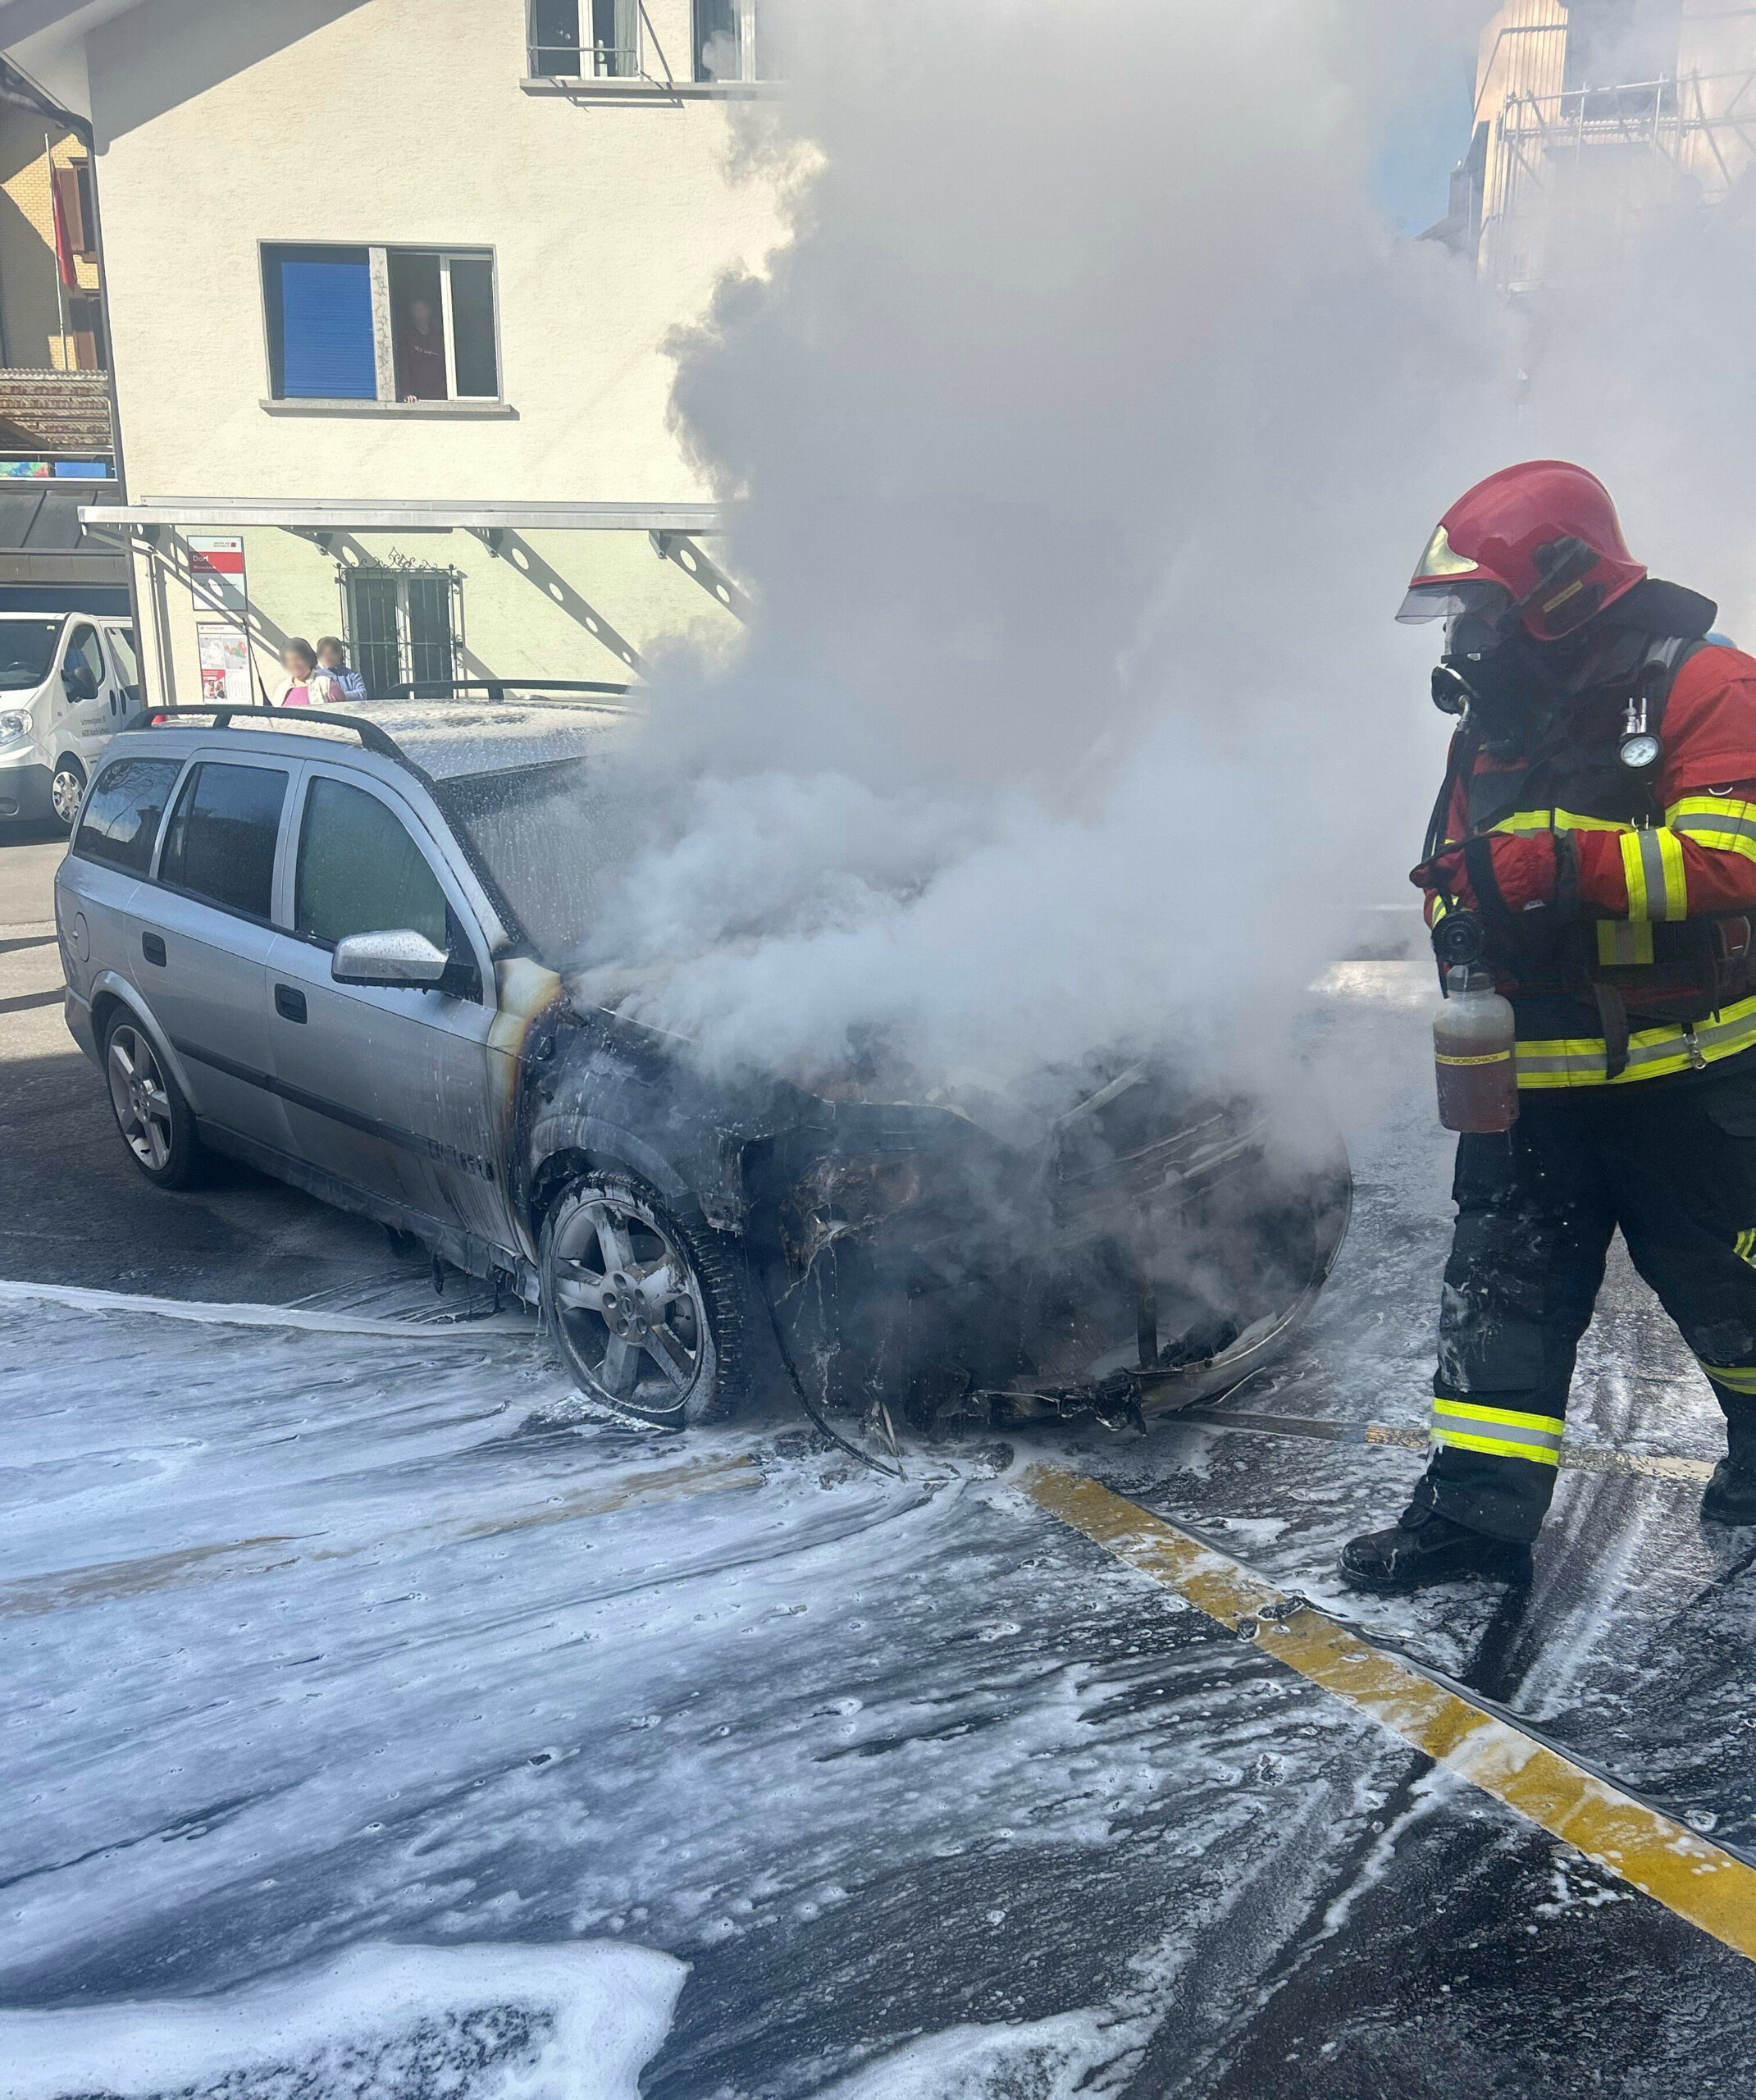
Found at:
(300, 664)
(332, 665)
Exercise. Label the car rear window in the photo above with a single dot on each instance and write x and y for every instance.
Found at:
(121, 817)
(221, 846)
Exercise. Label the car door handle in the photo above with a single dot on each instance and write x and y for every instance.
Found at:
(289, 1002)
(153, 947)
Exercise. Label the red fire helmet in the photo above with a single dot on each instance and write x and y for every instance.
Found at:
(1498, 544)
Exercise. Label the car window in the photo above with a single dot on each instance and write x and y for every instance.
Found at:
(82, 648)
(121, 817)
(127, 662)
(27, 649)
(221, 846)
(359, 872)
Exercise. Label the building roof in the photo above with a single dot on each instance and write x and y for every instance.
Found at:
(49, 411)
(43, 517)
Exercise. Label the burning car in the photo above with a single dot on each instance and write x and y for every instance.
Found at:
(338, 948)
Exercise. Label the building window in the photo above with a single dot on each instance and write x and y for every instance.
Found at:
(386, 324)
(572, 39)
(725, 40)
(319, 324)
(400, 627)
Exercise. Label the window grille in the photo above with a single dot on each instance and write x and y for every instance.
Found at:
(400, 627)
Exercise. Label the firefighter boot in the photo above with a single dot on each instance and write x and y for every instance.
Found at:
(1422, 1547)
(1730, 1496)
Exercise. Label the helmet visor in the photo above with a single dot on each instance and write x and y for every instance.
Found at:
(1453, 602)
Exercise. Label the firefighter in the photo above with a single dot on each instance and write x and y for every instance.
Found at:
(1595, 843)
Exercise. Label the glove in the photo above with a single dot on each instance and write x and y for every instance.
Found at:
(1503, 874)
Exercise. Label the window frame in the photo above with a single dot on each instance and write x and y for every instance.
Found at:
(268, 762)
(749, 45)
(99, 860)
(80, 623)
(586, 49)
(386, 401)
(402, 577)
(463, 911)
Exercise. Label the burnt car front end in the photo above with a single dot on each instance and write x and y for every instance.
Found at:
(1125, 1243)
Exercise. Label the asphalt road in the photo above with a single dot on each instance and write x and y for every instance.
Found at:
(314, 1644)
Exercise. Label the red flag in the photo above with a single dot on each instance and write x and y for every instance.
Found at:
(69, 276)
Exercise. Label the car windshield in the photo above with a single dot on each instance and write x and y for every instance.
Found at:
(27, 649)
(547, 836)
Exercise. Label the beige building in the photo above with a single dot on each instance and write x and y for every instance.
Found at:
(1589, 116)
(388, 283)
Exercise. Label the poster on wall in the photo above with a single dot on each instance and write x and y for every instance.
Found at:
(216, 571)
(225, 664)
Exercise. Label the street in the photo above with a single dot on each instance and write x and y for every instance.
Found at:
(342, 1655)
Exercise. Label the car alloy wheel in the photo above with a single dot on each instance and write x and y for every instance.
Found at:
(64, 790)
(629, 1305)
(145, 1113)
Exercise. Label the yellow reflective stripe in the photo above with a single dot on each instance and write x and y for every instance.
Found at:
(1634, 873)
(1738, 1377)
(1726, 825)
(1487, 1058)
(1551, 1425)
(1496, 1447)
(1558, 821)
(1651, 861)
(1745, 1247)
(1676, 873)
(1719, 842)
(1624, 943)
(1653, 1052)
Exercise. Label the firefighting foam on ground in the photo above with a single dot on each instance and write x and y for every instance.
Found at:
(723, 1287)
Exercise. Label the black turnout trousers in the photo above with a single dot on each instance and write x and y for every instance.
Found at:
(1673, 1164)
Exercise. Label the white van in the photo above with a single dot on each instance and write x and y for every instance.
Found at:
(68, 682)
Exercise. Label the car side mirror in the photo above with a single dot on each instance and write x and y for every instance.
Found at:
(80, 681)
(399, 958)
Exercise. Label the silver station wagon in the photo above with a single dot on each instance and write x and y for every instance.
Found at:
(344, 950)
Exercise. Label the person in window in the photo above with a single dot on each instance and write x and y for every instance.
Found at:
(342, 686)
(299, 660)
(420, 355)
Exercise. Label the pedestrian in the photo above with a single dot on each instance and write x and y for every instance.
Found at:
(299, 661)
(1597, 823)
(343, 686)
(420, 355)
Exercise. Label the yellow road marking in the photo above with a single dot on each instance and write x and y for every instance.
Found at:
(1663, 1859)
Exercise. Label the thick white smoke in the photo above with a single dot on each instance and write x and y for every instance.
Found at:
(1082, 440)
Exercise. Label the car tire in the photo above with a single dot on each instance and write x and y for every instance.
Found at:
(153, 1119)
(648, 1314)
(66, 784)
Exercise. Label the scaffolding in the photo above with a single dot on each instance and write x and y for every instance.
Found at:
(1578, 172)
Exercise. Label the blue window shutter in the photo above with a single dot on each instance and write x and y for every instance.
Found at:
(325, 324)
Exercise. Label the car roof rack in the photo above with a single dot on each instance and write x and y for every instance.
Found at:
(494, 688)
(371, 736)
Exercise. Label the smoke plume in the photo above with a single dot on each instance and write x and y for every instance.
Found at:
(1081, 442)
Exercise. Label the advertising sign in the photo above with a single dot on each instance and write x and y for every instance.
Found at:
(225, 665)
(216, 571)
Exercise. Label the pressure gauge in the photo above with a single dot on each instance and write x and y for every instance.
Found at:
(1640, 752)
